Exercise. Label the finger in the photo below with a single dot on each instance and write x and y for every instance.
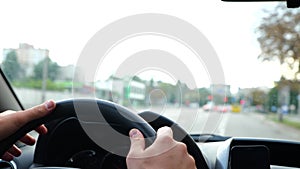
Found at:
(165, 131)
(11, 121)
(164, 136)
(182, 148)
(164, 142)
(7, 156)
(36, 112)
(42, 129)
(15, 151)
(137, 143)
(192, 161)
(28, 139)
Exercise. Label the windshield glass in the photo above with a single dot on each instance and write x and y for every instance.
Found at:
(213, 67)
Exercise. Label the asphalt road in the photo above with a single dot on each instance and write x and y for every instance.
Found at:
(245, 124)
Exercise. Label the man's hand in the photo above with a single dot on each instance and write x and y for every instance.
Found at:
(164, 153)
(11, 121)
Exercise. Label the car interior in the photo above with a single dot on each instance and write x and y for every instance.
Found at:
(68, 145)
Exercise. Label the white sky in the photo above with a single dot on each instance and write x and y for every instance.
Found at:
(64, 27)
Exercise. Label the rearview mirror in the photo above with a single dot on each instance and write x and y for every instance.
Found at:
(290, 3)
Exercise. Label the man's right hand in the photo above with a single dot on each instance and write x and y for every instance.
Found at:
(164, 153)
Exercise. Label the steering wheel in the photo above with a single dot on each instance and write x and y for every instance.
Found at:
(94, 114)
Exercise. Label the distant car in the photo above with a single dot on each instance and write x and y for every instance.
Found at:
(236, 108)
(194, 105)
(223, 108)
(208, 106)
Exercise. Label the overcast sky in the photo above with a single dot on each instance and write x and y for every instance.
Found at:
(64, 27)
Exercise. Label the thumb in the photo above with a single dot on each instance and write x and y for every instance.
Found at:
(12, 121)
(36, 112)
(137, 143)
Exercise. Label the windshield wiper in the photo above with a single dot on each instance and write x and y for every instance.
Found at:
(208, 137)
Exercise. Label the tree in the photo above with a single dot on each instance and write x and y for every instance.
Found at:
(138, 79)
(294, 88)
(279, 37)
(170, 91)
(11, 66)
(52, 69)
(204, 94)
(273, 99)
(259, 97)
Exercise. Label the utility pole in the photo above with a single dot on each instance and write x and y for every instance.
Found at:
(45, 76)
(298, 99)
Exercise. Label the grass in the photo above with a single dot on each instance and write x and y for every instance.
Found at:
(285, 121)
(291, 123)
(51, 85)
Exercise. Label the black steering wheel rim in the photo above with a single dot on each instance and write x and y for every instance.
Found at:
(157, 121)
(123, 121)
(113, 118)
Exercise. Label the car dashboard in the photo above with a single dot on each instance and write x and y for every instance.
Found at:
(68, 146)
(259, 153)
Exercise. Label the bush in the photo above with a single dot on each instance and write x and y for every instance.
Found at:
(37, 84)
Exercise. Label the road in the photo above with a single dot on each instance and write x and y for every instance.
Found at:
(229, 124)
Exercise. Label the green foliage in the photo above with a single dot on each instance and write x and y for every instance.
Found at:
(204, 93)
(273, 95)
(11, 66)
(273, 99)
(291, 123)
(52, 69)
(170, 91)
(286, 121)
(259, 97)
(279, 36)
(37, 84)
(136, 78)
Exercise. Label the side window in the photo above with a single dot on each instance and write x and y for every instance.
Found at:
(34, 76)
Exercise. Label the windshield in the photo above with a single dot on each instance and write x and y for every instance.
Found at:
(213, 67)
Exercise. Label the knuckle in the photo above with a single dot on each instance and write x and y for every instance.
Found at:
(130, 155)
(166, 139)
(39, 110)
(133, 162)
(192, 160)
(35, 112)
(182, 147)
(165, 130)
(192, 164)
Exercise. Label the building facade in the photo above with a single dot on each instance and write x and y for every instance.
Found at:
(28, 56)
